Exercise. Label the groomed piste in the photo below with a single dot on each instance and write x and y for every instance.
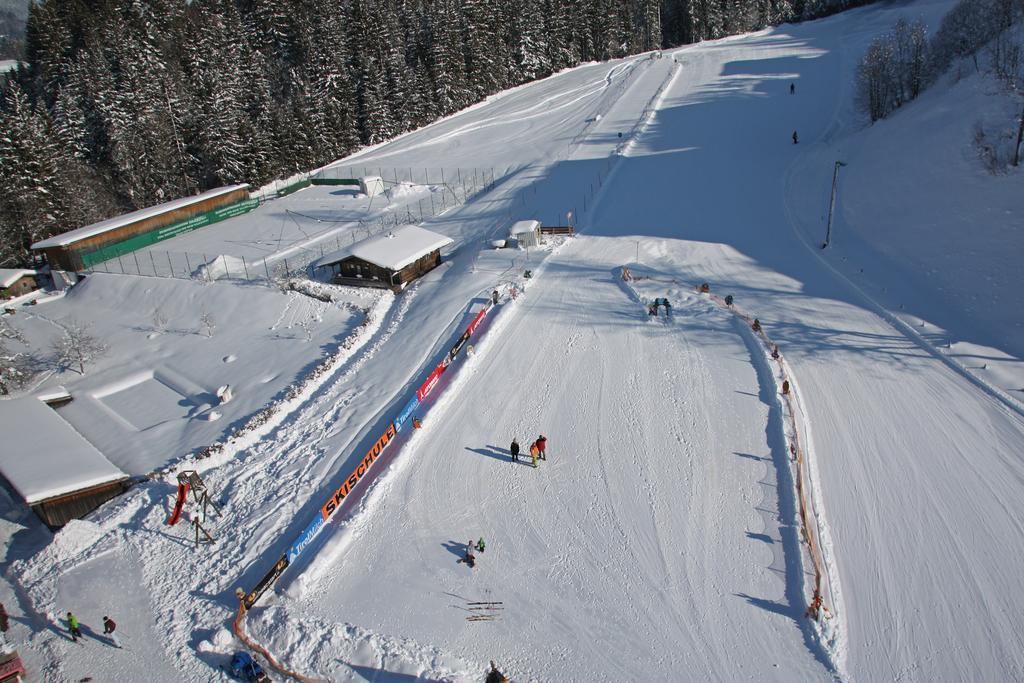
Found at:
(708, 509)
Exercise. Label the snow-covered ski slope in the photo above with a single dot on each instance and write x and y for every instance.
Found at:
(659, 540)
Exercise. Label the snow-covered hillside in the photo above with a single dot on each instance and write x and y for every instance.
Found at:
(661, 538)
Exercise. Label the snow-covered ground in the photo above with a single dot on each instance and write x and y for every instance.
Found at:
(152, 398)
(660, 539)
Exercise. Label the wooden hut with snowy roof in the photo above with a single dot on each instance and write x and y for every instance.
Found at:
(16, 281)
(59, 474)
(390, 260)
(84, 247)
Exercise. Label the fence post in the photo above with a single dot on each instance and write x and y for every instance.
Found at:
(245, 268)
(188, 264)
(153, 262)
(433, 212)
(266, 267)
(138, 268)
(224, 258)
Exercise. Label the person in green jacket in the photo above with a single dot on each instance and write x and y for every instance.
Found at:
(73, 628)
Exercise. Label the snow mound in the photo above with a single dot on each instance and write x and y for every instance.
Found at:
(338, 650)
(402, 189)
(222, 266)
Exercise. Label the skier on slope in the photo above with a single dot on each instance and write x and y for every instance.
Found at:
(514, 449)
(795, 139)
(756, 326)
(73, 627)
(542, 444)
(534, 452)
(469, 557)
(108, 630)
(480, 545)
(792, 88)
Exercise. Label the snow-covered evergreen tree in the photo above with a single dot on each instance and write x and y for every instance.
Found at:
(31, 197)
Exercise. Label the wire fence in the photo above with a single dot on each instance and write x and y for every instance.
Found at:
(413, 196)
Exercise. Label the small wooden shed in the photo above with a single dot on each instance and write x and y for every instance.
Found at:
(390, 260)
(525, 233)
(15, 282)
(59, 474)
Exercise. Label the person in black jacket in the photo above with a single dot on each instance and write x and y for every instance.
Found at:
(514, 448)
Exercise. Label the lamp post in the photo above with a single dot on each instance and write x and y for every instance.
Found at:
(832, 203)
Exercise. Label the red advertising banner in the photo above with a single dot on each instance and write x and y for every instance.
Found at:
(431, 381)
(476, 321)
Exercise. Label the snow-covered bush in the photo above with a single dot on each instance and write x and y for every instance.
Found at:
(892, 71)
(77, 346)
(15, 369)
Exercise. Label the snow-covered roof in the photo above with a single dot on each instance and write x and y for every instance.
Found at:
(8, 276)
(44, 457)
(73, 236)
(57, 393)
(393, 250)
(8, 65)
(519, 227)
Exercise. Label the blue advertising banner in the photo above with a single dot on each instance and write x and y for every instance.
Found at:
(406, 413)
(305, 537)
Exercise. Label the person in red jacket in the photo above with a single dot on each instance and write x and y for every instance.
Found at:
(542, 443)
(108, 630)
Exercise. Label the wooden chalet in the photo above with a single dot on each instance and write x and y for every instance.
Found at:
(59, 474)
(15, 282)
(390, 260)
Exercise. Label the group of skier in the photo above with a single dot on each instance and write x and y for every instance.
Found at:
(75, 629)
(469, 557)
(538, 449)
